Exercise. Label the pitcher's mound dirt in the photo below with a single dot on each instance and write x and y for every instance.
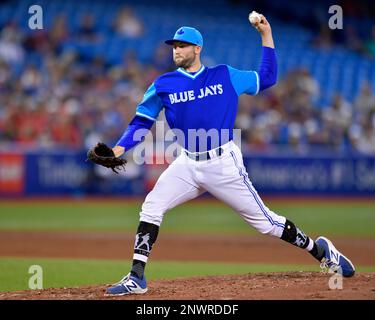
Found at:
(284, 286)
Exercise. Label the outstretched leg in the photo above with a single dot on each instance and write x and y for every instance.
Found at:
(226, 179)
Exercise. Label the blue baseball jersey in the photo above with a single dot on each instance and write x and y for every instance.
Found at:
(200, 107)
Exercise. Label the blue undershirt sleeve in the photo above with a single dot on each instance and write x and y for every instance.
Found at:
(251, 82)
(135, 132)
(146, 113)
(267, 69)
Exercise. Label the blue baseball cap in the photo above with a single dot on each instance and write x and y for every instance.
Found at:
(188, 35)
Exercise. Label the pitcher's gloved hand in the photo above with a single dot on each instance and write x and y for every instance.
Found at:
(103, 155)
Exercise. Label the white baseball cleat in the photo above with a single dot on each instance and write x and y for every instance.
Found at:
(128, 285)
(334, 259)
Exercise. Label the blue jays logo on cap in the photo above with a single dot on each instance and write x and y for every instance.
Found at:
(188, 35)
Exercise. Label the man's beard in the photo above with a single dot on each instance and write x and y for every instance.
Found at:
(185, 63)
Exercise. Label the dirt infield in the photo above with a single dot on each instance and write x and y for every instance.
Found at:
(224, 248)
(278, 286)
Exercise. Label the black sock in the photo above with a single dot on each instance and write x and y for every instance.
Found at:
(294, 235)
(317, 252)
(297, 237)
(145, 239)
(138, 269)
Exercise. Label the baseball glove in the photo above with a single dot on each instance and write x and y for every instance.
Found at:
(103, 155)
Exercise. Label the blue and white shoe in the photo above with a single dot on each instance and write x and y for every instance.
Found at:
(334, 259)
(128, 285)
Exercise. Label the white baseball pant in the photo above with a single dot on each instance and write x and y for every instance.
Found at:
(224, 176)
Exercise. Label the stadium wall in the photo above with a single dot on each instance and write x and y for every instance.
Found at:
(68, 174)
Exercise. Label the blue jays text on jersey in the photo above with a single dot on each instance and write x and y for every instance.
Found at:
(191, 95)
(205, 100)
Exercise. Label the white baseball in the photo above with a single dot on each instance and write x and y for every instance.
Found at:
(254, 17)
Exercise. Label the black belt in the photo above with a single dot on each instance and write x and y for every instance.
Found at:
(200, 156)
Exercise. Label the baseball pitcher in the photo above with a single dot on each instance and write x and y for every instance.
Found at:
(198, 97)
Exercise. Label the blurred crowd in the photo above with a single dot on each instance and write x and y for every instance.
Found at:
(349, 38)
(285, 118)
(352, 37)
(357, 17)
(67, 101)
(70, 102)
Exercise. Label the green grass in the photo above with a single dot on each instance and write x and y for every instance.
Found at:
(14, 273)
(329, 218)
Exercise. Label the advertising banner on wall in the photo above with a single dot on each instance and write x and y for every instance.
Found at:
(312, 174)
(12, 174)
(67, 173)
